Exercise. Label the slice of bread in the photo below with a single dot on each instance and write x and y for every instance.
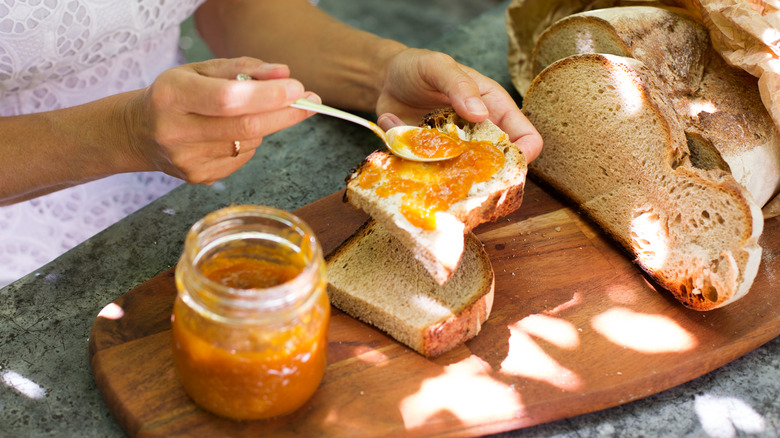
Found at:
(439, 250)
(374, 278)
(726, 123)
(668, 41)
(615, 145)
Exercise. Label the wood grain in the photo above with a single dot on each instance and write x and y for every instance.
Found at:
(575, 328)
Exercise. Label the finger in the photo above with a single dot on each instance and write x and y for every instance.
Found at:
(194, 93)
(230, 98)
(219, 166)
(454, 80)
(508, 117)
(311, 97)
(230, 68)
(238, 150)
(197, 129)
(388, 121)
(522, 133)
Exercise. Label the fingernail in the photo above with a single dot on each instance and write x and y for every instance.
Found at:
(313, 97)
(476, 106)
(384, 121)
(387, 122)
(294, 90)
(268, 67)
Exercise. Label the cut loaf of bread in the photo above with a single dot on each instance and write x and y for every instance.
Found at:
(615, 145)
(374, 278)
(726, 124)
(439, 250)
(668, 41)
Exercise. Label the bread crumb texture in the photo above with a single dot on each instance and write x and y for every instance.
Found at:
(614, 145)
(374, 278)
(719, 106)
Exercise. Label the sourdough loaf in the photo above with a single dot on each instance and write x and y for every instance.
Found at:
(374, 278)
(726, 124)
(669, 42)
(616, 146)
(439, 250)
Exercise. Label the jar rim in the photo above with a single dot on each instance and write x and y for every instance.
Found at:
(267, 299)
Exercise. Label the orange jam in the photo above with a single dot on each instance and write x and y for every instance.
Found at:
(238, 351)
(430, 143)
(433, 186)
(247, 269)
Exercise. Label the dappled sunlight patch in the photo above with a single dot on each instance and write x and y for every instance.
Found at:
(576, 300)
(650, 238)
(725, 417)
(556, 331)
(370, 355)
(632, 294)
(632, 97)
(527, 359)
(696, 107)
(112, 311)
(584, 42)
(643, 332)
(27, 387)
(465, 390)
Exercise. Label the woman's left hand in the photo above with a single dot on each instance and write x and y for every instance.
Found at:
(418, 81)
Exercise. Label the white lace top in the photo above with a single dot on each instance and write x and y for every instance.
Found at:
(59, 53)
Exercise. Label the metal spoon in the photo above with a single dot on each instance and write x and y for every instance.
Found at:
(391, 138)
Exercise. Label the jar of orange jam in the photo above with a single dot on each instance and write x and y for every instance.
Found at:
(251, 316)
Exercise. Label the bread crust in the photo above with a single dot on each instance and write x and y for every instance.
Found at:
(667, 40)
(720, 105)
(693, 231)
(360, 282)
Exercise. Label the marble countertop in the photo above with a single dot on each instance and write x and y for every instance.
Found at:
(47, 389)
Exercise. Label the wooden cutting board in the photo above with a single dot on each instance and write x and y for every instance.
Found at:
(575, 328)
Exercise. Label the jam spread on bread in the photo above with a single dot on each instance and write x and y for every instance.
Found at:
(430, 143)
(433, 186)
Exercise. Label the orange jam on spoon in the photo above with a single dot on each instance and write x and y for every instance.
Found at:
(431, 144)
(428, 187)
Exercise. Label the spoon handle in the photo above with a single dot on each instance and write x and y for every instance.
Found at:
(330, 111)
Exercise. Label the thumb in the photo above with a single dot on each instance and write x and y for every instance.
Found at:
(387, 121)
(463, 91)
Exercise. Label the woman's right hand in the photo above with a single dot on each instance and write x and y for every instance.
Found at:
(185, 124)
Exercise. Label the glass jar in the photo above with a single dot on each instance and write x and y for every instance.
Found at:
(251, 315)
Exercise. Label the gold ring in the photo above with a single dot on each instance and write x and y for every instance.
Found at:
(236, 148)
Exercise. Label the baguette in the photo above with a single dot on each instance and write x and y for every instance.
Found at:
(725, 122)
(374, 278)
(439, 250)
(615, 145)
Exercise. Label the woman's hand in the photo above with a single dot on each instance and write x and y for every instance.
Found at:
(418, 81)
(185, 124)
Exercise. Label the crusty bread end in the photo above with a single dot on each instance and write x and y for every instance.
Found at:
(616, 147)
(720, 105)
